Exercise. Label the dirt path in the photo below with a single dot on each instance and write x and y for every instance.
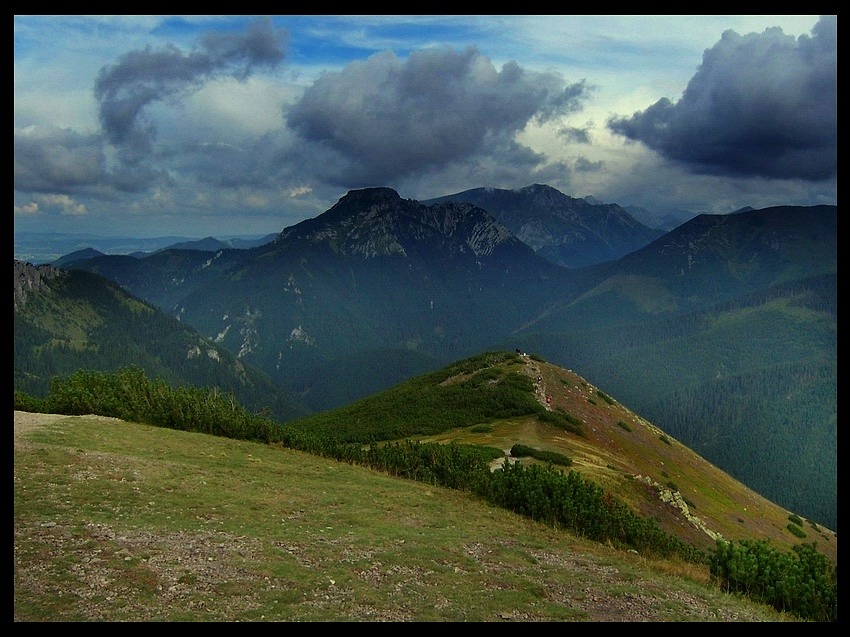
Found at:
(25, 422)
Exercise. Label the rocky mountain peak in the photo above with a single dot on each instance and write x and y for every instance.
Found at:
(567, 231)
(542, 194)
(377, 221)
(369, 195)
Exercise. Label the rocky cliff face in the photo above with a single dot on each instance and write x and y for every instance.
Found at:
(30, 278)
(377, 221)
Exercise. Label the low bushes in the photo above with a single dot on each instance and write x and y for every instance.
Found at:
(803, 582)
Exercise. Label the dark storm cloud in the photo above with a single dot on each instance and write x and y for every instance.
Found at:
(760, 105)
(582, 164)
(573, 134)
(265, 162)
(142, 77)
(386, 119)
(52, 160)
(57, 160)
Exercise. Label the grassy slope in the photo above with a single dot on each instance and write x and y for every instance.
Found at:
(619, 458)
(117, 521)
(614, 457)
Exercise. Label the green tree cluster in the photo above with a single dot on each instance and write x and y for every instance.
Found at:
(803, 581)
(522, 451)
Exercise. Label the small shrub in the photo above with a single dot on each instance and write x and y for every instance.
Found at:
(623, 425)
(802, 581)
(672, 485)
(796, 530)
(523, 451)
(591, 401)
(562, 419)
(795, 519)
(605, 397)
(481, 429)
(663, 438)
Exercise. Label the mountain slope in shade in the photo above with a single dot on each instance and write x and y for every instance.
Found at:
(741, 252)
(725, 332)
(373, 272)
(708, 260)
(70, 320)
(568, 231)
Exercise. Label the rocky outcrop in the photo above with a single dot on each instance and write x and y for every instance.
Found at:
(30, 278)
(675, 499)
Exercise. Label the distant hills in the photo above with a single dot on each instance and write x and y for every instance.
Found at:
(47, 247)
(374, 274)
(574, 232)
(665, 221)
(722, 331)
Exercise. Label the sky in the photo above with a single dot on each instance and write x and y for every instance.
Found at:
(244, 125)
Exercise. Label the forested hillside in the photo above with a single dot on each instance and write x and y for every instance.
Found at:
(750, 384)
(71, 320)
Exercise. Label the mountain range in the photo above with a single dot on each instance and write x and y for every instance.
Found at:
(47, 247)
(567, 231)
(722, 332)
